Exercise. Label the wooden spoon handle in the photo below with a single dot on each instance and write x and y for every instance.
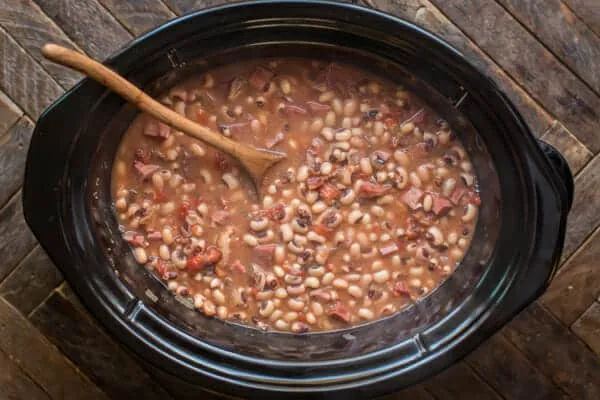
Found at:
(115, 82)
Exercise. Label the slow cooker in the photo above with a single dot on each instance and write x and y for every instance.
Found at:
(526, 190)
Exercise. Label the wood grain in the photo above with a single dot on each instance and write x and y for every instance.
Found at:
(562, 32)
(576, 285)
(519, 53)
(31, 28)
(505, 368)
(425, 14)
(13, 152)
(88, 24)
(588, 11)
(584, 216)
(556, 352)
(576, 154)
(16, 240)
(15, 384)
(42, 361)
(139, 16)
(459, 382)
(587, 327)
(95, 353)
(31, 282)
(9, 113)
(23, 79)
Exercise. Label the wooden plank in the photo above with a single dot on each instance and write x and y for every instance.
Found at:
(587, 327)
(93, 351)
(562, 32)
(576, 154)
(520, 54)
(93, 28)
(15, 384)
(139, 16)
(505, 368)
(23, 79)
(584, 216)
(31, 28)
(9, 113)
(588, 11)
(556, 352)
(31, 282)
(425, 14)
(575, 286)
(13, 152)
(461, 383)
(16, 240)
(41, 360)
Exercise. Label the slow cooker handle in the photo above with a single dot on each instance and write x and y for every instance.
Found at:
(561, 167)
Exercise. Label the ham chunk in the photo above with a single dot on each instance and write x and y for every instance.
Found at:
(264, 254)
(154, 128)
(370, 190)
(261, 77)
(339, 312)
(387, 250)
(412, 198)
(145, 170)
(441, 205)
(329, 192)
(318, 108)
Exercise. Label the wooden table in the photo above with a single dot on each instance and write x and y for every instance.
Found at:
(544, 54)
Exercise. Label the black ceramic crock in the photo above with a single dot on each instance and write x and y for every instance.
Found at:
(526, 189)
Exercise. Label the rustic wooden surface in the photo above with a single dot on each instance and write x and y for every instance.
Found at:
(545, 56)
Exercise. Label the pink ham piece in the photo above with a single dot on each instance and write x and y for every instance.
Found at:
(263, 254)
(441, 205)
(338, 311)
(387, 250)
(457, 194)
(400, 289)
(370, 190)
(315, 182)
(329, 192)
(412, 198)
(260, 77)
(154, 235)
(145, 170)
(158, 129)
(318, 108)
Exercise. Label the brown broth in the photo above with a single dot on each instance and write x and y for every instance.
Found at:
(373, 207)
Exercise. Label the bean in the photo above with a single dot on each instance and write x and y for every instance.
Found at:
(231, 181)
(355, 250)
(365, 313)
(436, 235)
(157, 181)
(350, 107)
(285, 86)
(470, 214)
(466, 166)
(268, 202)
(282, 325)
(326, 96)
(463, 243)
(296, 290)
(337, 106)
(448, 186)
(317, 309)
(197, 150)
(377, 211)
(316, 270)
(222, 312)
(258, 225)
(281, 293)
(355, 291)
(290, 316)
(315, 237)
(381, 276)
(401, 158)
(322, 254)
(354, 216)
(378, 128)
(296, 304)
(327, 278)
(318, 207)
(343, 136)
(163, 252)
(275, 315)
(140, 255)
(365, 166)
(415, 283)
(317, 125)
(424, 172)
(374, 87)
(407, 127)
(310, 318)
(312, 282)
(250, 240)
(121, 204)
(452, 238)
(427, 203)
(415, 271)
(340, 283)
(366, 279)
(384, 200)
(172, 285)
(209, 308)
(330, 119)
(286, 232)
(415, 180)
(326, 168)
(167, 208)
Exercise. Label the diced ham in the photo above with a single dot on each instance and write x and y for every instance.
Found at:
(155, 235)
(317, 108)
(211, 256)
(145, 170)
(441, 205)
(154, 128)
(400, 289)
(263, 254)
(457, 194)
(134, 239)
(329, 192)
(387, 250)
(412, 198)
(370, 190)
(220, 217)
(260, 77)
(275, 213)
(315, 182)
(290, 109)
(338, 311)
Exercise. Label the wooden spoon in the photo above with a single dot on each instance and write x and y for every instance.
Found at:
(256, 161)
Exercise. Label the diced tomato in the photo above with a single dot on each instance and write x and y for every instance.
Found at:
(323, 230)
